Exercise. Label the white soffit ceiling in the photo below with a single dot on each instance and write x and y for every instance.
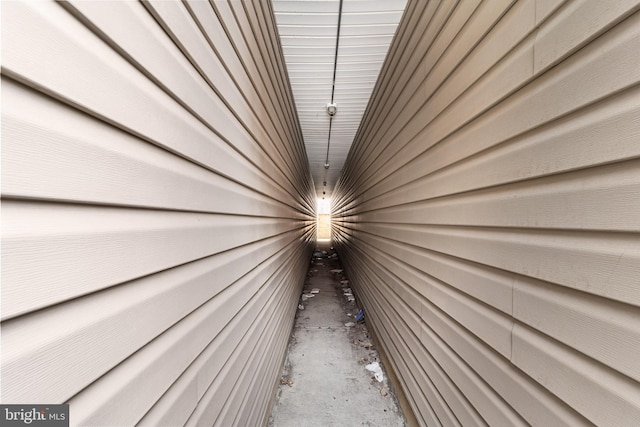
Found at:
(308, 30)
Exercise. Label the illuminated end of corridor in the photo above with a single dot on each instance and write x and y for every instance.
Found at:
(324, 220)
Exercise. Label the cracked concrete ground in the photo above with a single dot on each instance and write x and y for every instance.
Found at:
(324, 381)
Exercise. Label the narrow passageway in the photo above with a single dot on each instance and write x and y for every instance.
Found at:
(325, 380)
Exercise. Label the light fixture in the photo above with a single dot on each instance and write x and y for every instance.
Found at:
(332, 109)
(326, 165)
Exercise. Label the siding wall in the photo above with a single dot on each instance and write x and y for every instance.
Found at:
(489, 213)
(158, 212)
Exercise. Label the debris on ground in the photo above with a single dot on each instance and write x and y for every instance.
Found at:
(347, 293)
(377, 371)
(325, 268)
(286, 381)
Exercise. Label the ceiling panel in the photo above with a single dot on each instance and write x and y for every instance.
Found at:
(308, 30)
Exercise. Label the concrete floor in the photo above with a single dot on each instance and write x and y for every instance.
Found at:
(324, 381)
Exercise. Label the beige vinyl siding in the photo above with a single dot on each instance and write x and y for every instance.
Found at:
(489, 212)
(158, 212)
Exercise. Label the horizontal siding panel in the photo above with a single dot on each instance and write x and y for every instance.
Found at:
(490, 285)
(570, 143)
(490, 326)
(604, 396)
(442, 88)
(437, 44)
(242, 406)
(151, 300)
(431, 404)
(418, 21)
(517, 389)
(174, 18)
(528, 398)
(50, 262)
(94, 162)
(595, 199)
(174, 408)
(604, 330)
(488, 403)
(148, 111)
(146, 41)
(240, 69)
(546, 8)
(438, 385)
(159, 213)
(595, 262)
(440, 70)
(449, 403)
(575, 25)
(487, 212)
(582, 81)
(223, 390)
(456, 368)
(124, 395)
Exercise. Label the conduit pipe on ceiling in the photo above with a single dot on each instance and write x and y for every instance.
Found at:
(332, 106)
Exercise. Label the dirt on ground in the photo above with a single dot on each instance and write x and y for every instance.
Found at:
(332, 374)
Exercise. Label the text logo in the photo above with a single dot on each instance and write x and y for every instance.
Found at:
(34, 415)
